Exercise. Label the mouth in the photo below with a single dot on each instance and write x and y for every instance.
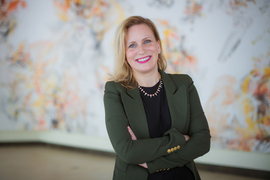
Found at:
(143, 59)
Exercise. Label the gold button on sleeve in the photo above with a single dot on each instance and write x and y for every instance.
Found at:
(172, 149)
(168, 169)
(178, 147)
(157, 170)
(175, 148)
(169, 151)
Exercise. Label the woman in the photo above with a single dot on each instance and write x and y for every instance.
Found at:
(154, 120)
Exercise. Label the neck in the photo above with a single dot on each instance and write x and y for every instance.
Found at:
(147, 79)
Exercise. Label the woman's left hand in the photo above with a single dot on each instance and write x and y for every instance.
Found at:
(133, 137)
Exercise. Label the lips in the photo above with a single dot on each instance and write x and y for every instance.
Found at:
(144, 59)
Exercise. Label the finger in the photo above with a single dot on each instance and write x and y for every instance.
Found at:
(133, 137)
(130, 130)
(144, 165)
(186, 137)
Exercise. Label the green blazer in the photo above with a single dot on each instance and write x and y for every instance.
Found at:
(124, 107)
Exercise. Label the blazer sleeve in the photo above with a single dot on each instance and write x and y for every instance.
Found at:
(197, 145)
(141, 150)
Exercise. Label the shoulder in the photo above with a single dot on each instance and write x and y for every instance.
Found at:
(180, 79)
(114, 86)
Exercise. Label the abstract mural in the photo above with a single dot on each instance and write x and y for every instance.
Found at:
(55, 57)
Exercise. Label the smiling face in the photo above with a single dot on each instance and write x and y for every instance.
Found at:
(142, 49)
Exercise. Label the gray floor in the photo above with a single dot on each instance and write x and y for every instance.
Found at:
(38, 162)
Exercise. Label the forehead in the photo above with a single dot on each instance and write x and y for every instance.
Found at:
(138, 32)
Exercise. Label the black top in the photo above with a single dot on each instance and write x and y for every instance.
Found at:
(159, 121)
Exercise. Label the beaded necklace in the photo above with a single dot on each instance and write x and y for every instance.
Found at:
(152, 95)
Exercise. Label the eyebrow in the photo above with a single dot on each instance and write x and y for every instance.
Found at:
(147, 37)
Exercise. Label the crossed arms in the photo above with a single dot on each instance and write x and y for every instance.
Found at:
(152, 153)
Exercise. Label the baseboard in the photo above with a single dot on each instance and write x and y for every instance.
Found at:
(58, 138)
(201, 166)
(235, 171)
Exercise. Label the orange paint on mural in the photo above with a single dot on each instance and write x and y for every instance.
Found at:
(13, 6)
(26, 101)
(179, 60)
(243, 3)
(21, 57)
(41, 124)
(194, 8)
(223, 96)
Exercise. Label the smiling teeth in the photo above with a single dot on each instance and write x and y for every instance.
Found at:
(144, 59)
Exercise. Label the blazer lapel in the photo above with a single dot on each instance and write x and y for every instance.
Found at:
(136, 114)
(177, 102)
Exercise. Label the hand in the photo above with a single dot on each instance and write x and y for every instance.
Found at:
(133, 137)
(144, 165)
(186, 137)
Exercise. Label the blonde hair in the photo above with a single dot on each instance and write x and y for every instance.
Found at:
(122, 70)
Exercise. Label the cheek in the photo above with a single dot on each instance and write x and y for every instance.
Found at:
(153, 48)
(129, 54)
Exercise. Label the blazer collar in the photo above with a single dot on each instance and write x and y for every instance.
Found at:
(133, 93)
(168, 83)
(177, 102)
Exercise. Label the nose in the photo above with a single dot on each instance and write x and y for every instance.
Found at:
(140, 50)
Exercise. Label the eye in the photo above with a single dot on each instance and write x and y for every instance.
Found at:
(147, 41)
(131, 46)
